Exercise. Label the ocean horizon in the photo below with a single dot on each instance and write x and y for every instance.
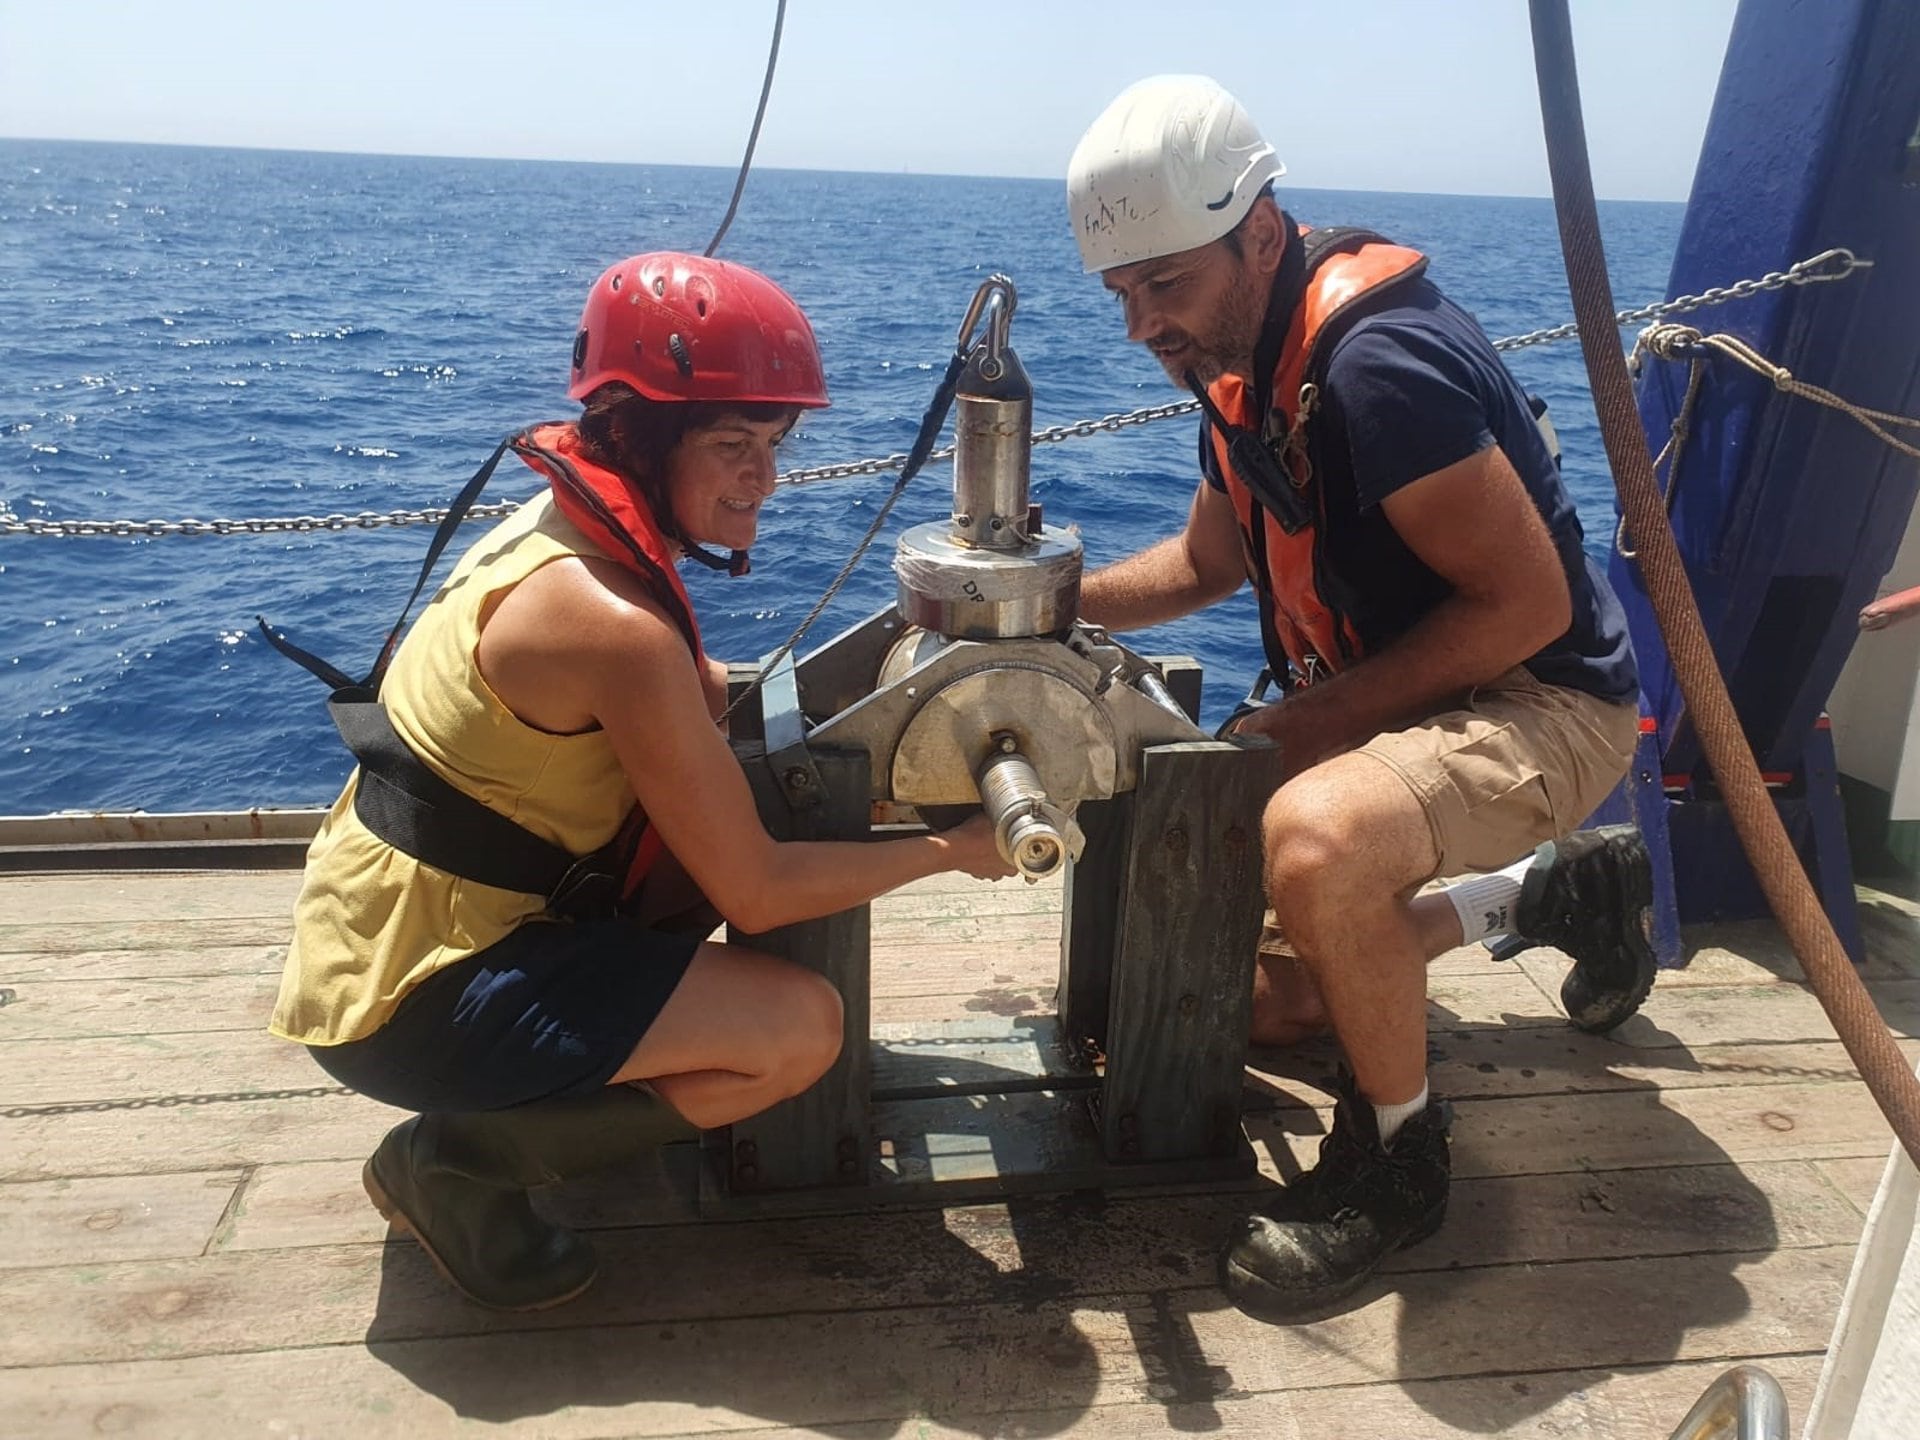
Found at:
(732, 169)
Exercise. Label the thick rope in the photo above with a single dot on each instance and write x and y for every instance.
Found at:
(1859, 1025)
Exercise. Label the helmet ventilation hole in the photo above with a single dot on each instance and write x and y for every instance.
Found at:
(660, 285)
(681, 359)
(580, 349)
(614, 284)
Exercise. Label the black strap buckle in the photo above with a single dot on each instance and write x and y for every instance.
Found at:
(588, 891)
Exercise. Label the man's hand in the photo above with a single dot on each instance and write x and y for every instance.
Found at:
(1305, 732)
(1181, 574)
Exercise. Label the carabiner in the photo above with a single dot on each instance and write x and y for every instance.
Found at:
(993, 302)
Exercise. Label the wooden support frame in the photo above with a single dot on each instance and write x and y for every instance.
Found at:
(1189, 926)
(820, 1137)
(1090, 926)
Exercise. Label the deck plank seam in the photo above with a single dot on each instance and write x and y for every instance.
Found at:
(1129, 1300)
(1259, 1101)
(230, 1212)
(1829, 1184)
(1874, 1149)
(1525, 1023)
(211, 1252)
(1078, 1300)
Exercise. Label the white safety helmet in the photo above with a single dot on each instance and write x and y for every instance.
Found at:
(1173, 163)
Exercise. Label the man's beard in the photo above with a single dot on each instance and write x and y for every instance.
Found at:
(1227, 344)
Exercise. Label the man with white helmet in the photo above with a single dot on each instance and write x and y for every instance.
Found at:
(1459, 687)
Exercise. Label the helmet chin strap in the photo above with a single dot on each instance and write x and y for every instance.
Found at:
(737, 563)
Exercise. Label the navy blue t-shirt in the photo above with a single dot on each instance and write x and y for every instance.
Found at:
(1413, 388)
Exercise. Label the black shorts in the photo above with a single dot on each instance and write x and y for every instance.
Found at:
(552, 1010)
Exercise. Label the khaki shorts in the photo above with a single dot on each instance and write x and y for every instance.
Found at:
(1520, 762)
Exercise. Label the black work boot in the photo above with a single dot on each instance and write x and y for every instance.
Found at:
(458, 1183)
(1330, 1228)
(1591, 894)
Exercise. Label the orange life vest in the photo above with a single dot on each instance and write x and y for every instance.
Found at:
(601, 505)
(1299, 613)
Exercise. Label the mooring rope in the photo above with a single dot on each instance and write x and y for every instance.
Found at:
(1861, 1028)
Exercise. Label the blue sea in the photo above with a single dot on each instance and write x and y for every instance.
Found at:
(236, 333)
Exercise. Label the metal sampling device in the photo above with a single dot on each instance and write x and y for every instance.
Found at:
(979, 687)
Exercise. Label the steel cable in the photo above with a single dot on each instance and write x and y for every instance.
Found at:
(753, 135)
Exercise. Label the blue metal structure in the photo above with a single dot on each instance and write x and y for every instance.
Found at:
(1788, 514)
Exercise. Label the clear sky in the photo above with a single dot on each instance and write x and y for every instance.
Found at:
(1425, 95)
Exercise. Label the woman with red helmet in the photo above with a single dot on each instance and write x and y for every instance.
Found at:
(557, 679)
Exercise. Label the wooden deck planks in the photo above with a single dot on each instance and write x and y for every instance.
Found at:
(80, 1222)
(1631, 1214)
(1477, 1063)
(1001, 1357)
(1557, 1130)
(1629, 1402)
(236, 1300)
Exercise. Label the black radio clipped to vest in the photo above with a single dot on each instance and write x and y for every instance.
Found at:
(1260, 469)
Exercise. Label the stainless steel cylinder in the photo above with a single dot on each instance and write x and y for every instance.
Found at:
(991, 471)
(1023, 827)
(975, 593)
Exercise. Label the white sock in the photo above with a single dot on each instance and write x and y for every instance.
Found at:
(1485, 903)
(1391, 1117)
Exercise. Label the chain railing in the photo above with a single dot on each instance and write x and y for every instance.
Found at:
(1835, 264)
(1829, 265)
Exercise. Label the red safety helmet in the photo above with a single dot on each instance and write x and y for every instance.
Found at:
(684, 327)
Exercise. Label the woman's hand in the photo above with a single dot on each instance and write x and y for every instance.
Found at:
(971, 847)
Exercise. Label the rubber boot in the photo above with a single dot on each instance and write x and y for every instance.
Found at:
(1330, 1228)
(1591, 894)
(458, 1184)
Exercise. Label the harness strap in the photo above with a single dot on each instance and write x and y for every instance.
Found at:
(414, 810)
(408, 806)
(455, 516)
